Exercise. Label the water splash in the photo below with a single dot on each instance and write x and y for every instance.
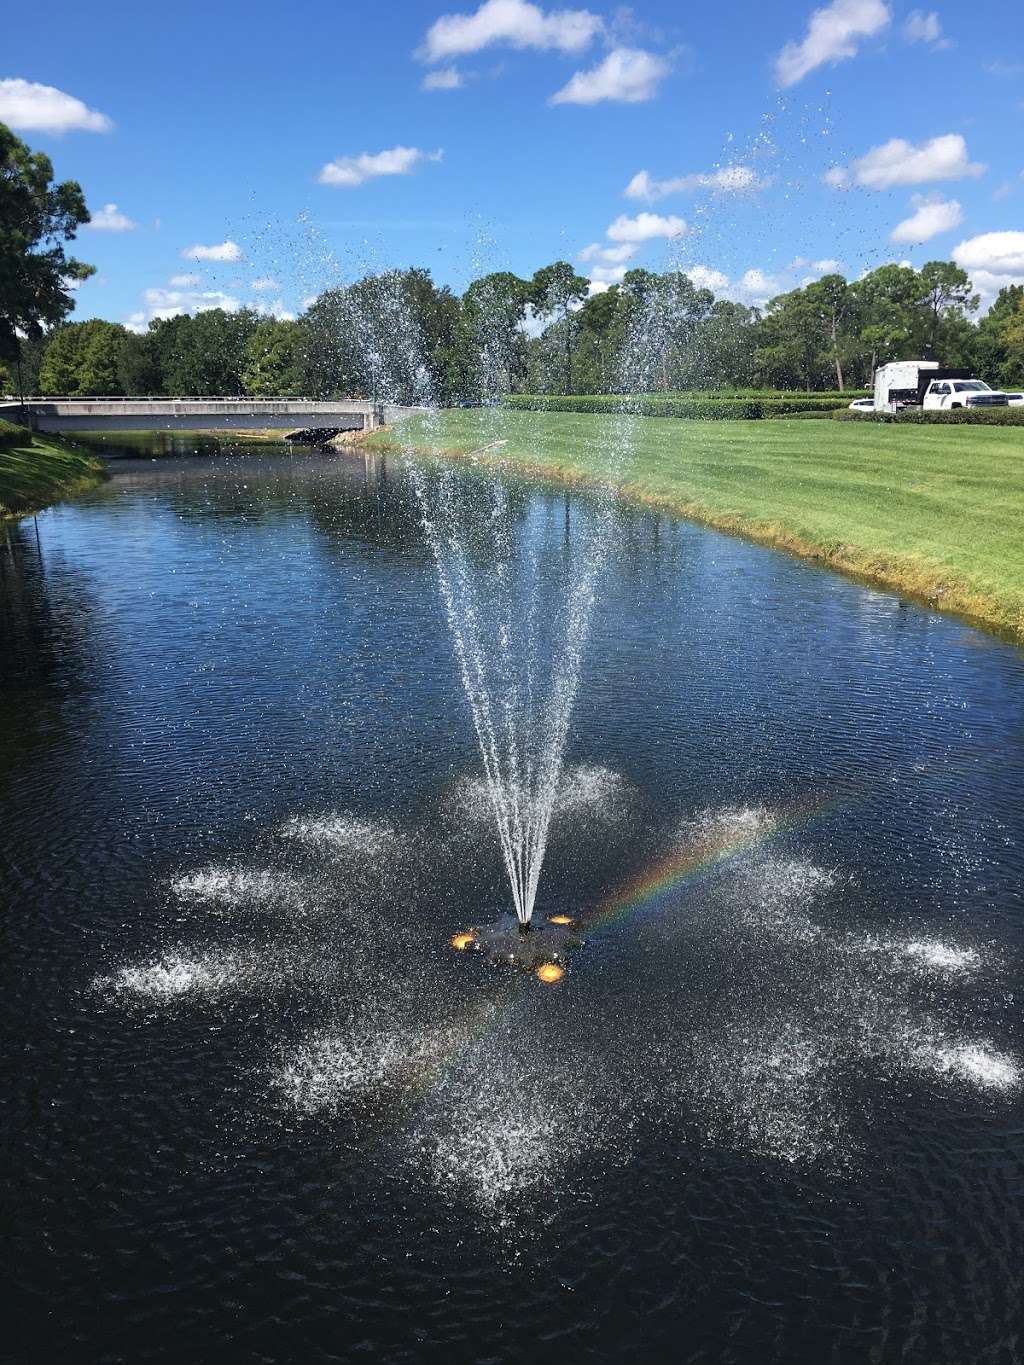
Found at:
(519, 617)
(232, 887)
(340, 832)
(174, 976)
(519, 655)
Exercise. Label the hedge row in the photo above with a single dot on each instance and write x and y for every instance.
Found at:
(816, 415)
(992, 417)
(12, 435)
(701, 409)
(846, 396)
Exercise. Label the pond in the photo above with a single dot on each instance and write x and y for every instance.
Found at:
(256, 1106)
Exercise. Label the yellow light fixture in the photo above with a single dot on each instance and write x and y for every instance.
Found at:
(460, 942)
(549, 973)
(559, 919)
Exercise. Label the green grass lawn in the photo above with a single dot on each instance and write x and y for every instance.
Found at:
(36, 471)
(934, 511)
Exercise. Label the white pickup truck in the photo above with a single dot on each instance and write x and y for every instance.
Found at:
(924, 383)
(962, 393)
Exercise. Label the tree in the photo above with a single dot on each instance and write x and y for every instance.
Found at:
(138, 366)
(37, 217)
(832, 299)
(100, 355)
(945, 293)
(394, 336)
(889, 316)
(793, 348)
(58, 372)
(994, 360)
(83, 358)
(728, 342)
(552, 292)
(204, 355)
(271, 359)
(1013, 342)
(494, 308)
(598, 343)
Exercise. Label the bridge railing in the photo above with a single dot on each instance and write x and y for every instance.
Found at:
(174, 398)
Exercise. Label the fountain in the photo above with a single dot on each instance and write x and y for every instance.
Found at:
(519, 627)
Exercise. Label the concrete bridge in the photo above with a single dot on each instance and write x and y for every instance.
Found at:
(199, 414)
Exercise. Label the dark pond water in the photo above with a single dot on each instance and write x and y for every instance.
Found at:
(255, 1108)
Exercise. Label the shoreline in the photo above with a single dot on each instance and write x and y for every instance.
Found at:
(926, 585)
(37, 472)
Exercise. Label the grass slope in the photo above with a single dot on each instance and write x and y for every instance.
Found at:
(937, 512)
(36, 471)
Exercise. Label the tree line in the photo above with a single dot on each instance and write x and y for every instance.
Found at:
(400, 336)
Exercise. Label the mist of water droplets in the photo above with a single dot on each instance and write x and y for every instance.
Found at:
(519, 623)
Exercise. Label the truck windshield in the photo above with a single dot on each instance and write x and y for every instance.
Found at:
(972, 386)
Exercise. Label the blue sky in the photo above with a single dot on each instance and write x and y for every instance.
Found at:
(754, 145)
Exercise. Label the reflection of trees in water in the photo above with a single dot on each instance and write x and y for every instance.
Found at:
(366, 500)
(52, 652)
(47, 624)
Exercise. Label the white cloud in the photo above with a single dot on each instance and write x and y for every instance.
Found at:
(993, 261)
(223, 251)
(275, 310)
(628, 74)
(308, 301)
(755, 288)
(833, 35)
(514, 23)
(828, 265)
(704, 277)
(184, 281)
(920, 27)
(933, 215)
(264, 284)
(608, 255)
(350, 171)
(110, 219)
(136, 322)
(607, 274)
(30, 107)
(727, 179)
(446, 78)
(898, 162)
(645, 227)
(170, 303)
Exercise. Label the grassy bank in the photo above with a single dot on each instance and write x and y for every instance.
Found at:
(933, 511)
(36, 471)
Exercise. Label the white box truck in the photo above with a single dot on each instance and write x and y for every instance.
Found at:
(927, 384)
(899, 385)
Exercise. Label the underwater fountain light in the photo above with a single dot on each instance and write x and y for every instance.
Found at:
(549, 973)
(508, 942)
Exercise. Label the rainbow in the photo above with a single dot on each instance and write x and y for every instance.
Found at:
(654, 888)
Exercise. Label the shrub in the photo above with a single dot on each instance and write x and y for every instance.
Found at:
(816, 415)
(701, 407)
(12, 435)
(990, 417)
